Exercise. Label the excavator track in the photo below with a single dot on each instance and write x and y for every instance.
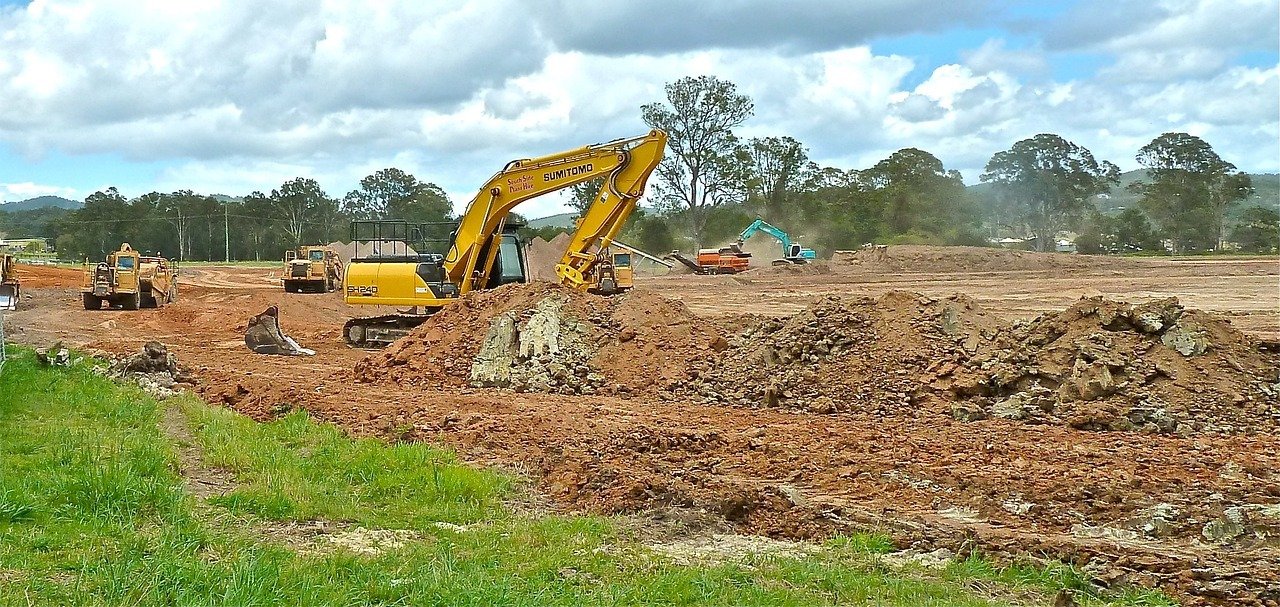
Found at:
(381, 331)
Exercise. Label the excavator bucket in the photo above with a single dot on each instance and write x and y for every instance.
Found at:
(8, 297)
(263, 336)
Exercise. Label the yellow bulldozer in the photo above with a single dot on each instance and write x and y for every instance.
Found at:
(10, 288)
(312, 269)
(130, 280)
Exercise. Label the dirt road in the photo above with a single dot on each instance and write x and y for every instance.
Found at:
(1126, 505)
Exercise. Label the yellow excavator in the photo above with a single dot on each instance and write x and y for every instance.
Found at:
(485, 251)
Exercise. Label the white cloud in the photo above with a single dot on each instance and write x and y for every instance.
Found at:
(11, 192)
(229, 97)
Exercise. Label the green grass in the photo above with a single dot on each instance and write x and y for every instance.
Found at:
(93, 512)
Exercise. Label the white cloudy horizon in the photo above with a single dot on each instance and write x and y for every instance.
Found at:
(229, 98)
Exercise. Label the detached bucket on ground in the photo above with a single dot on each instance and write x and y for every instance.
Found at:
(263, 336)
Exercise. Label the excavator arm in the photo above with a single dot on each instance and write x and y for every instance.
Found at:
(625, 164)
(760, 225)
(603, 219)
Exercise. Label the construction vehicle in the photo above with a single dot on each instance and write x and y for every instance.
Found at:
(485, 251)
(725, 260)
(130, 280)
(312, 269)
(792, 252)
(10, 288)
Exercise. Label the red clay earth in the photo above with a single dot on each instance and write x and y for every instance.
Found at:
(1193, 513)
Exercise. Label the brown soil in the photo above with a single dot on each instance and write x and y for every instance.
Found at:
(1192, 514)
(921, 258)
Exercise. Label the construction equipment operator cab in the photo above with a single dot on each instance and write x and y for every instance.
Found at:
(396, 262)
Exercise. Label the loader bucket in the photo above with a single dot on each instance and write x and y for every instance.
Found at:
(263, 336)
(8, 297)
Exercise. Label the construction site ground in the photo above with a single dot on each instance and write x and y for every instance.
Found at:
(929, 479)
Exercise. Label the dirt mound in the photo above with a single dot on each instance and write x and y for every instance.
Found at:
(1099, 365)
(845, 354)
(345, 250)
(544, 255)
(1105, 365)
(923, 258)
(542, 337)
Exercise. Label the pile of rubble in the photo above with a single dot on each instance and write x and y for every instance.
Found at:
(1099, 365)
(844, 355)
(1104, 365)
(154, 369)
(541, 337)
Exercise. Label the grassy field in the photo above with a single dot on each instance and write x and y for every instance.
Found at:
(108, 497)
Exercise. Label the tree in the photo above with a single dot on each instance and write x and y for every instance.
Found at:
(1049, 182)
(582, 195)
(296, 203)
(1258, 230)
(394, 194)
(1131, 231)
(1191, 191)
(707, 165)
(918, 195)
(778, 167)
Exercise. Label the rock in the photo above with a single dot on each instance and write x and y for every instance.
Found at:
(1154, 316)
(1186, 341)
(966, 412)
(1009, 408)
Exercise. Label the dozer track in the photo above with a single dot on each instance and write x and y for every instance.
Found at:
(380, 331)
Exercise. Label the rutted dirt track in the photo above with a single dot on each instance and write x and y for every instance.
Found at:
(1130, 505)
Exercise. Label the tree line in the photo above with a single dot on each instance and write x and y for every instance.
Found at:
(712, 183)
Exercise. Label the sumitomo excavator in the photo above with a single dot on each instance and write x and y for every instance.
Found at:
(485, 251)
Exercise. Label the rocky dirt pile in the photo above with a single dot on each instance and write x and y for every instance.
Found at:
(154, 369)
(1099, 365)
(1105, 365)
(925, 258)
(845, 354)
(541, 337)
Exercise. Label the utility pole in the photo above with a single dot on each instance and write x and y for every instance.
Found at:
(226, 231)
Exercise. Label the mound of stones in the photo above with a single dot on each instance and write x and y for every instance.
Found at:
(1104, 365)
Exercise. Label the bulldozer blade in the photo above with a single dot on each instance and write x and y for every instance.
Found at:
(8, 297)
(263, 336)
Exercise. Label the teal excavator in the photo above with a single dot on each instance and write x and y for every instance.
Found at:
(792, 252)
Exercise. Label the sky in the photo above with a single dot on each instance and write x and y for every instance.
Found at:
(231, 97)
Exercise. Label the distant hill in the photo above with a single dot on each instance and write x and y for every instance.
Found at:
(41, 202)
(563, 220)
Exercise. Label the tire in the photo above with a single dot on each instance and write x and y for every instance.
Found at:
(91, 302)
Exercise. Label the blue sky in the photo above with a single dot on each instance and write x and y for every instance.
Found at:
(225, 97)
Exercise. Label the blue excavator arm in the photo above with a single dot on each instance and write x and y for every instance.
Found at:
(790, 251)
